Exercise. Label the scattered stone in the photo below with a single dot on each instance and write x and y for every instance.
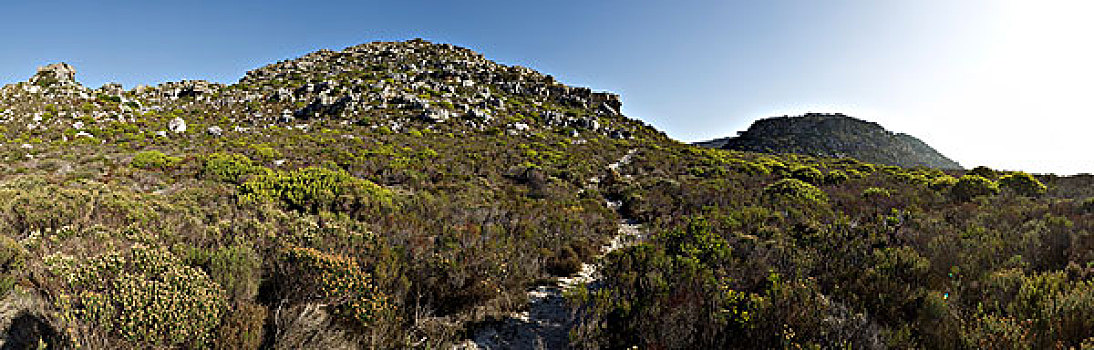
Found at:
(177, 125)
(214, 130)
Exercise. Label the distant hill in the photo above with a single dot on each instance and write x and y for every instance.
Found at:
(834, 135)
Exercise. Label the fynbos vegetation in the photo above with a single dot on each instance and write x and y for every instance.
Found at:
(413, 195)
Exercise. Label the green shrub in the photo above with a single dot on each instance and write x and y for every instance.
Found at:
(143, 295)
(835, 177)
(312, 189)
(795, 190)
(1087, 205)
(983, 171)
(153, 160)
(230, 167)
(807, 174)
(874, 192)
(335, 280)
(1023, 184)
(242, 327)
(236, 269)
(12, 261)
(971, 186)
(942, 183)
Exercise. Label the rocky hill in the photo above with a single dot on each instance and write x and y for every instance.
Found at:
(834, 135)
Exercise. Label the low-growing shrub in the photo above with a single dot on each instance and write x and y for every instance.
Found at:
(942, 183)
(972, 186)
(313, 189)
(335, 280)
(143, 295)
(230, 167)
(1022, 184)
(807, 174)
(835, 177)
(874, 193)
(153, 160)
(795, 190)
(12, 261)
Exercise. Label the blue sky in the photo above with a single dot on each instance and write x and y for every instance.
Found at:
(988, 82)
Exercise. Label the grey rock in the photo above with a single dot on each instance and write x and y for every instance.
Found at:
(214, 130)
(436, 115)
(55, 74)
(177, 125)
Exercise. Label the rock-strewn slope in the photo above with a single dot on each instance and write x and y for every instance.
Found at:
(834, 135)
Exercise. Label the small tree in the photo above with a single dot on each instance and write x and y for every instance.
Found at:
(1022, 184)
(972, 186)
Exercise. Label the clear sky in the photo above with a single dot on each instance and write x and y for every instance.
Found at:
(987, 82)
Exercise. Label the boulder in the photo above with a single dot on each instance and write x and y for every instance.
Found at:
(55, 74)
(177, 125)
(214, 130)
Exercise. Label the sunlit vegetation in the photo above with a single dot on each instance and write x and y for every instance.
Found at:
(377, 229)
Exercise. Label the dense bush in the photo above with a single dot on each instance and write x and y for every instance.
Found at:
(313, 189)
(1022, 184)
(12, 262)
(334, 280)
(971, 186)
(795, 190)
(230, 167)
(154, 160)
(808, 174)
(144, 295)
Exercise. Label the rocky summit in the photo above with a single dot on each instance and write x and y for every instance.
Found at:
(834, 135)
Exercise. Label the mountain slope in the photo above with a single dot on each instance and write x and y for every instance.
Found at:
(417, 195)
(834, 135)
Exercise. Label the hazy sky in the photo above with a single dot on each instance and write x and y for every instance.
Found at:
(986, 82)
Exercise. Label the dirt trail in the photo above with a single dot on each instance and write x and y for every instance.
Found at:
(547, 323)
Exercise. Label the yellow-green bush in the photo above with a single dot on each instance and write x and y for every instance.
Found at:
(336, 280)
(313, 188)
(942, 183)
(1023, 184)
(230, 167)
(795, 190)
(971, 186)
(808, 174)
(143, 295)
(153, 160)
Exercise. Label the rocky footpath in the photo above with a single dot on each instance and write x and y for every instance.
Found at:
(547, 323)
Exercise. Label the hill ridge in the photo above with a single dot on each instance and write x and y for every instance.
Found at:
(834, 135)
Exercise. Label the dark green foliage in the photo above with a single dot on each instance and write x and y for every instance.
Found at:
(1087, 205)
(12, 262)
(971, 186)
(1022, 184)
(835, 177)
(983, 171)
(808, 174)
